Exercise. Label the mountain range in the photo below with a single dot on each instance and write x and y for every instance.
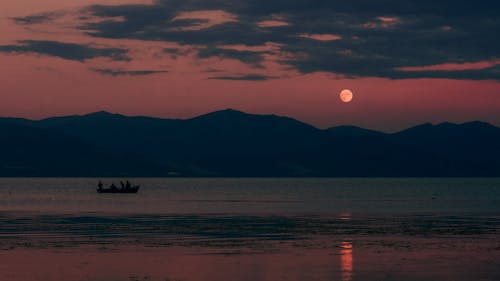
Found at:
(234, 143)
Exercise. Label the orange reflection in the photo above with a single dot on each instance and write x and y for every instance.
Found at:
(346, 261)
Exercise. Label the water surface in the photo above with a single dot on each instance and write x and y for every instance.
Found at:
(250, 230)
(244, 196)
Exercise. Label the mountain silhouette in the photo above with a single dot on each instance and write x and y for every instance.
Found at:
(352, 131)
(472, 147)
(234, 143)
(34, 151)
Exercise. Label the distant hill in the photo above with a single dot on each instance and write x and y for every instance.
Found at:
(469, 148)
(352, 131)
(234, 143)
(34, 151)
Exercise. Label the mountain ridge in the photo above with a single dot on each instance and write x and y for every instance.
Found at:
(234, 143)
(104, 113)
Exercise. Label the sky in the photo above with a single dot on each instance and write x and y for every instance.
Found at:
(406, 61)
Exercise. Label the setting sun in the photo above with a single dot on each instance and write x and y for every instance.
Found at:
(346, 95)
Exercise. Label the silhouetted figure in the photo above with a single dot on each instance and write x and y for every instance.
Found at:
(99, 185)
(122, 185)
(126, 188)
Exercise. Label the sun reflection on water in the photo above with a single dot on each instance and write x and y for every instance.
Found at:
(346, 261)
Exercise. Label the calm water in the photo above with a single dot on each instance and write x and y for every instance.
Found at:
(251, 230)
(252, 196)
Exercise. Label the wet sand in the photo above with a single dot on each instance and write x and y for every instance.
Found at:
(98, 247)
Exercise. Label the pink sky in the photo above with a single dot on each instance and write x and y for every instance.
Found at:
(37, 86)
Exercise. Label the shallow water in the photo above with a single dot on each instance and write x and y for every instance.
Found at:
(251, 229)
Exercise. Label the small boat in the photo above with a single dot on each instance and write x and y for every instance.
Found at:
(115, 189)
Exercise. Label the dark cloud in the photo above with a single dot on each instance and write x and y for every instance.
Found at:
(173, 51)
(250, 77)
(119, 72)
(490, 73)
(69, 51)
(249, 57)
(38, 18)
(378, 37)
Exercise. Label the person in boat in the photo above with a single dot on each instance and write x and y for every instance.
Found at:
(127, 185)
(122, 184)
(100, 185)
(113, 186)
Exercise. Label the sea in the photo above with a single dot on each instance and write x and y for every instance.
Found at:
(250, 229)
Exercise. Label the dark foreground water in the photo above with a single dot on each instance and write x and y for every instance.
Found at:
(251, 229)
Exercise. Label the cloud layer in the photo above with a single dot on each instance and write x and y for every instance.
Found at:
(362, 38)
(69, 51)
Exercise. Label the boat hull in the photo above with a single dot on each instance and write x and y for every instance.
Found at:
(119, 191)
